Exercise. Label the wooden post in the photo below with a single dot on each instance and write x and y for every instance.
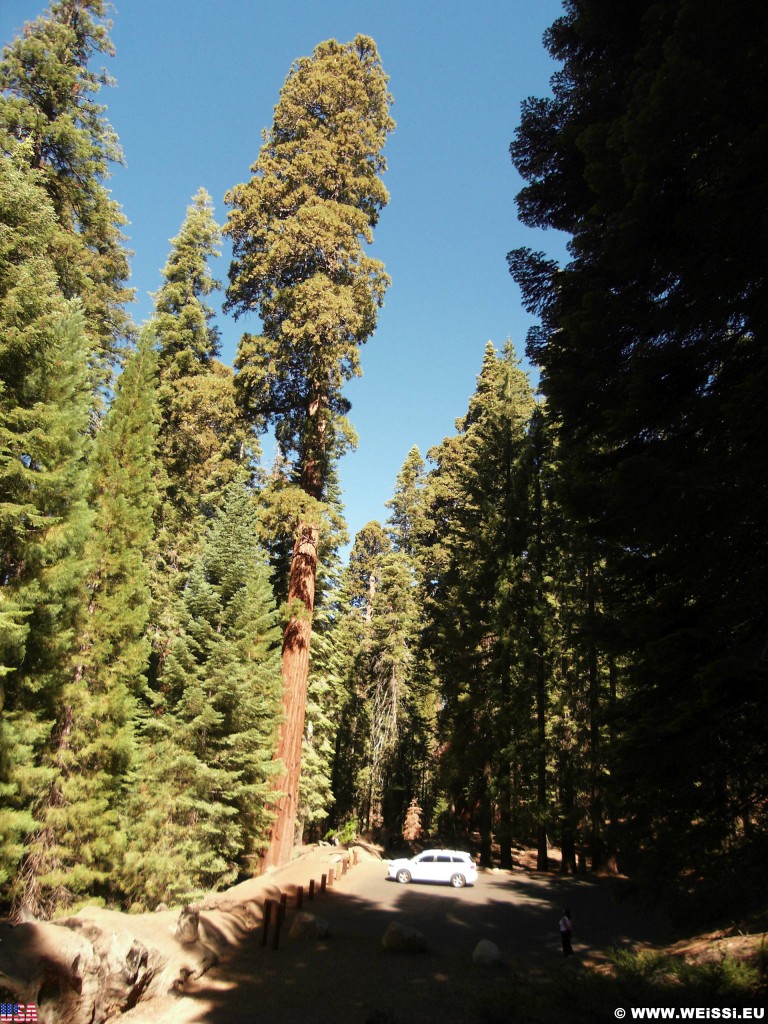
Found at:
(330, 877)
(354, 857)
(311, 888)
(278, 923)
(265, 924)
(323, 882)
(344, 866)
(299, 897)
(283, 905)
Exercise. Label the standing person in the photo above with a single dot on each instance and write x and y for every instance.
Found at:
(565, 932)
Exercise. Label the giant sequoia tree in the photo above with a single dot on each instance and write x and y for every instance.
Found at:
(652, 345)
(298, 228)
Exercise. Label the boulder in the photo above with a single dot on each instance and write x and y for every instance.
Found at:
(308, 926)
(486, 954)
(404, 938)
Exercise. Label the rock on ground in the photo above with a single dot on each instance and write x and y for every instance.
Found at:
(486, 954)
(308, 926)
(404, 938)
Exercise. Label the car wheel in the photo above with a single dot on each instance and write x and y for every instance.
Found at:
(403, 876)
(457, 881)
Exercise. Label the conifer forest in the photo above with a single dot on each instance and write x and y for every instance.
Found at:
(559, 635)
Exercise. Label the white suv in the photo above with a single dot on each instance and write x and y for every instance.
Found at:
(452, 866)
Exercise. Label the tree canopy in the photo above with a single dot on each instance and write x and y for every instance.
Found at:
(652, 352)
(556, 639)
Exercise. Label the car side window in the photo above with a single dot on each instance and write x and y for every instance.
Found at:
(444, 860)
(425, 860)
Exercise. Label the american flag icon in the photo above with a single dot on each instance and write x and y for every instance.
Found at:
(18, 1012)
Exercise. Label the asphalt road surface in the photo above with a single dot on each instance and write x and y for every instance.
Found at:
(350, 979)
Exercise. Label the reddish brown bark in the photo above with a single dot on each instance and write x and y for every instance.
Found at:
(295, 670)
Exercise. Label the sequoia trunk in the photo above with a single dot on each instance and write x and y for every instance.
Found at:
(296, 641)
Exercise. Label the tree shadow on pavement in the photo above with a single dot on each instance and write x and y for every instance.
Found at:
(349, 978)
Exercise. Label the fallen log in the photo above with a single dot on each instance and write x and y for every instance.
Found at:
(95, 965)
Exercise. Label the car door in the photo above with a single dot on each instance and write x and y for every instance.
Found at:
(443, 868)
(423, 868)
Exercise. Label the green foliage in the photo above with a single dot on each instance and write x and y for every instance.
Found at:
(199, 808)
(406, 519)
(653, 361)
(325, 696)
(77, 849)
(297, 229)
(44, 411)
(384, 736)
(654, 977)
(79, 544)
(125, 496)
(650, 978)
(479, 561)
(203, 441)
(346, 834)
(183, 320)
(46, 102)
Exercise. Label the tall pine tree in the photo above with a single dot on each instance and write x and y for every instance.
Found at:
(200, 804)
(44, 517)
(652, 349)
(480, 602)
(202, 440)
(47, 100)
(77, 848)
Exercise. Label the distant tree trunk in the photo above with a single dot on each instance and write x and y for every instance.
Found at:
(542, 859)
(596, 840)
(537, 508)
(611, 861)
(568, 817)
(504, 830)
(296, 642)
(486, 818)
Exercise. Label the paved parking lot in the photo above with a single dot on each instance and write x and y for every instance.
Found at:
(350, 979)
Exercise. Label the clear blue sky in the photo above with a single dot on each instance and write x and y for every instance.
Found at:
(197, 82)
